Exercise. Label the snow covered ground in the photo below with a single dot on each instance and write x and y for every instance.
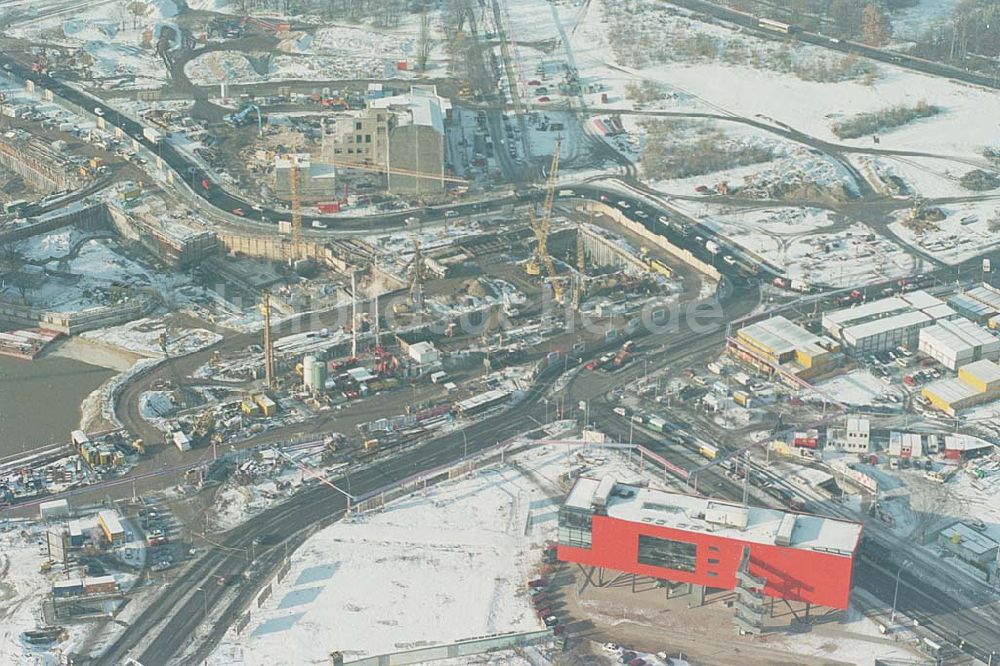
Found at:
(912, 22)
(118, 45)
(97, 262)
(437, 566)
(964, 232)
(859, 387)
(848, 254)
(143, 337)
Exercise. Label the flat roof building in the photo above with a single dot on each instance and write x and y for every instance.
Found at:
(951, 395)
(886, 323)
(703, 541)
(779, 344)
(855, 437)
(956, 342)
(982, 375)
(109, 523)
(968, 544)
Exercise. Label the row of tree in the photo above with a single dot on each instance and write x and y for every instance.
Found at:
(970, 36)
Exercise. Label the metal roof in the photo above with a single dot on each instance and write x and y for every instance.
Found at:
(986, 296)
(781, 336)
(970, 539)
(950, 390)
(984, 370)
(958, 335)
(871, 309)
(885, 324)
(720, 518)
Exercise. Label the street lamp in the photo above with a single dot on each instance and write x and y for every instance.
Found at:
(895, 594)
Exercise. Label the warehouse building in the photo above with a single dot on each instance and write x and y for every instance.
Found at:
(778, 345)
(956, 342)
(971, 309)
(968, 544)
(111, 526)
(977, 383)
(965, 447)
(886, 323)
(980, 304)
(707, 542)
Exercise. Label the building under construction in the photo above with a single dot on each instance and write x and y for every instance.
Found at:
(172, 241)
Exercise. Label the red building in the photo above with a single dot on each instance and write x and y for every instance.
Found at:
(701, 541)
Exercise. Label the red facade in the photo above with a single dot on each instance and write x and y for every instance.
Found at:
(823, 579)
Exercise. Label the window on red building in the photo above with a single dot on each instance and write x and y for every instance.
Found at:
(666, 553)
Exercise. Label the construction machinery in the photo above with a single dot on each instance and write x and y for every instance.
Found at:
(265, 309)
(242, 117)
(540, 225)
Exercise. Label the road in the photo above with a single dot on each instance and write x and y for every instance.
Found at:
(180, 608)
(844, 46)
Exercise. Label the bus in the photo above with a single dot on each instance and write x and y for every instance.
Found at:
(15, 206)
(708, 451)
(776, 26)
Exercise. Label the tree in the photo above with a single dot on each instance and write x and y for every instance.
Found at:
(875, 25)
(846, 16)
(424, 43)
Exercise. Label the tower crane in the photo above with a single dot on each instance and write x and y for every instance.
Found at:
(295, 252)
(265, 309)
(416, 275)
(540, 225)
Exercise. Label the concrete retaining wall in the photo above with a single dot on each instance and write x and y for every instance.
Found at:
(463, 648)
(90, 216)
(660, 241)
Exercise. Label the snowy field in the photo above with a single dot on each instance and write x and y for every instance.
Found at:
(963, 233)
(845, 255)
(122, 53)
(855, 388)
(435, 567)
(143, 337)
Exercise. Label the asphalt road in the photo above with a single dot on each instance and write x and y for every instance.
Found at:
(175, 613)
(844, 46)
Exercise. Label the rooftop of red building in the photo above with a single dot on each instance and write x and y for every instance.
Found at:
(719, 518)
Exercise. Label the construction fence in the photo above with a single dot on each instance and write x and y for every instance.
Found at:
(463, 648)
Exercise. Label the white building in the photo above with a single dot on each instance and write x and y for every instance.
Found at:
(856, 437)
(315, 180)
(424, 353)
(886, 323)
(955, 342)
(906, 444)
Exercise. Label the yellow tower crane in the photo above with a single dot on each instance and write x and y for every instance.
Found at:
(540, 225)
(295, 252)
(265, 309)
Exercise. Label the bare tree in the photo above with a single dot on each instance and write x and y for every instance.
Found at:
(875, 25)
(424, 42)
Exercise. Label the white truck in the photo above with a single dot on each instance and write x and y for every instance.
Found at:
(712, 247)
(152, 134)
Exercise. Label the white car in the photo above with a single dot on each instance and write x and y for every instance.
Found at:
(611, 647)
(623, 205)
(451, 213)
